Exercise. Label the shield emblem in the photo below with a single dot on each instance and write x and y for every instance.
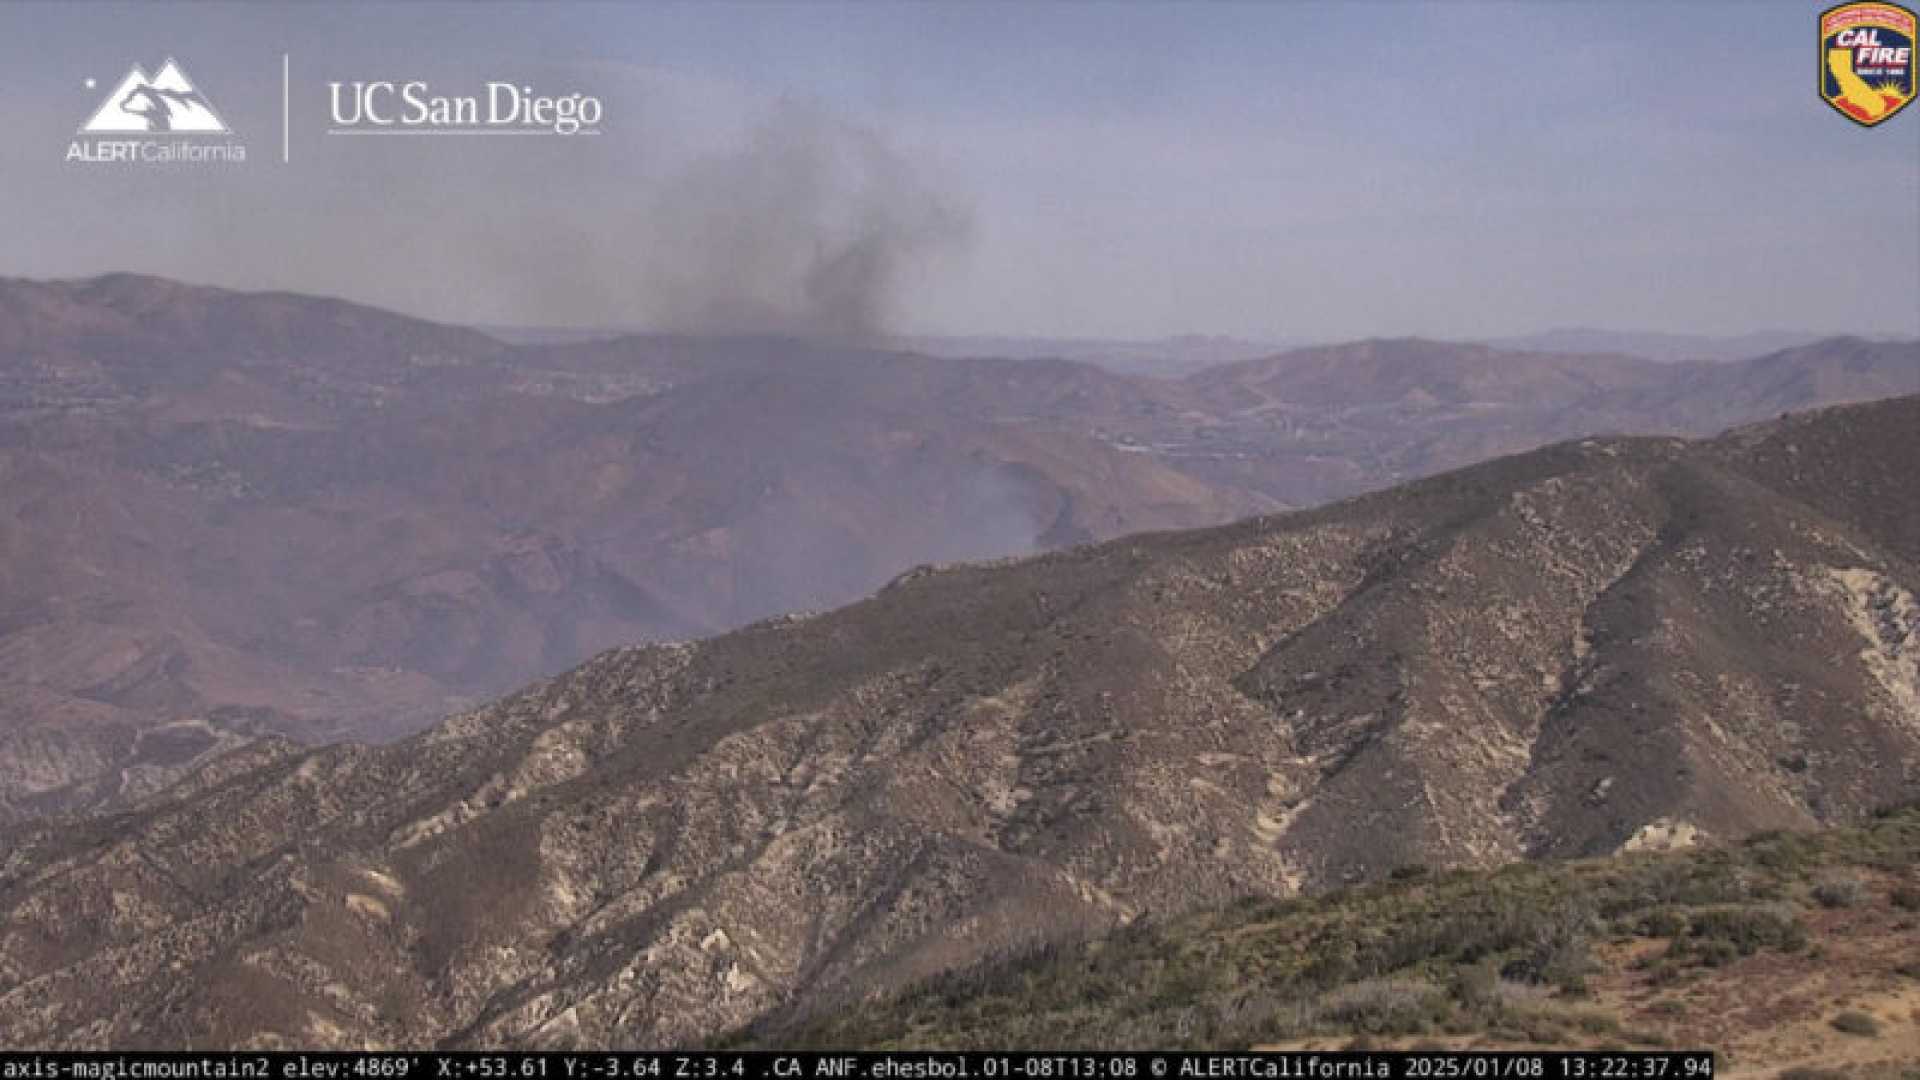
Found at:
(1867, 60)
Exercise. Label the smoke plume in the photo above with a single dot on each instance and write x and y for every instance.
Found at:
(804, 231)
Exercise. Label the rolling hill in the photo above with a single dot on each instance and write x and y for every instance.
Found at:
(224, 514)
(1603, 646)
(227, 513)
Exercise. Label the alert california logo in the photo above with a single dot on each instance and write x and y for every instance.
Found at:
(1867, 60)
(159, 119)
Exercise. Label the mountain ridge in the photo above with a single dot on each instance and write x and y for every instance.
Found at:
(226, 513)
(1604, 645)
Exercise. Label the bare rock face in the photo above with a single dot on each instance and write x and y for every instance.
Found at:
(1610, 644)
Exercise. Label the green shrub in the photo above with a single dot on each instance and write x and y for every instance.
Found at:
(1711, 879)
(1662, 922)
(1856, 1023)
(1386, 1007)
(1477, 987)
(1554, 948)
(1597, 1023)
(1788, 852)
(1839, 891)
(1714, 952)
(1750, 929)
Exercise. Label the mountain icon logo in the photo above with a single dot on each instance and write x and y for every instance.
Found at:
(167, 102)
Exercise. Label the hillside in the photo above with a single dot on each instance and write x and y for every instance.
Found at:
(223, 513)
(226, 514)
(1327, 422)
(1606, 645)
(1790, 950)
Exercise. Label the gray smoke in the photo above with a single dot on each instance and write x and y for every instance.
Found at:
(806, 231)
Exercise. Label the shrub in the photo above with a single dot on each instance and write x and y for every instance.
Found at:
(1662, 922)
(1714, 952)
(1750, 929)
(1477, 986)
(1787, 852)
(1597, 1023)
(1666, 969)
(1555, 949)
(1488, 927)
(1710, 880)
(1332, 960)
(1839, 891)
(1856, 1023)
(1385, 1007)
(1906, 898)
(1534, 1027)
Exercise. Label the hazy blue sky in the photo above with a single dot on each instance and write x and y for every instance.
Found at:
(1323, 171)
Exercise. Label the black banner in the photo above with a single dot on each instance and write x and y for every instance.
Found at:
(898, 1065)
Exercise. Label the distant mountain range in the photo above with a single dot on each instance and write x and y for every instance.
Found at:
(1651, 345)
(1185, 354)
(229, 514)
(1169, 357)
(1611, 644)
(1166, 358)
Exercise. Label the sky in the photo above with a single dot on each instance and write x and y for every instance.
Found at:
(1273, 171)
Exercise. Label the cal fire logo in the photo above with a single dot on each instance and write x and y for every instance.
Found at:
(167, 102)
(1867, 60)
